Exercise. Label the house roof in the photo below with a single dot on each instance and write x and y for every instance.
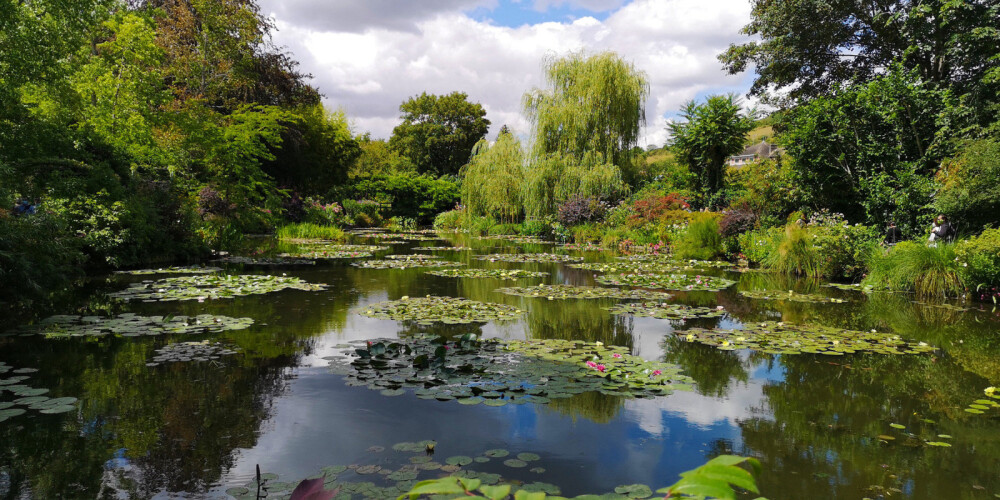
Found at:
(763, 149)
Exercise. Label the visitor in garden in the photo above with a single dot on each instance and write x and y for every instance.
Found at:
(893, 235)
(942, 230)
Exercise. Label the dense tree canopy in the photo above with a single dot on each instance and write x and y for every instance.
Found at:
(811, 45)
(438, 132)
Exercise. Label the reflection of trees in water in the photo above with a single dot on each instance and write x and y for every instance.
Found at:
(713, 370)
(594, 406)
(176, 425)
(821, 442)
(408, 329)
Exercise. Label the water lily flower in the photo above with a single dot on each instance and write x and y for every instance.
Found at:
(601, 368)
(616, 355)
(599, 343)
(657, 372)
(591, 364)
(690, 337)
(719, 308)
(990, 390)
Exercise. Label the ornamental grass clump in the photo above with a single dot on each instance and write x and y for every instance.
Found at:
(702, 240)
(795, 253)
(930, 271)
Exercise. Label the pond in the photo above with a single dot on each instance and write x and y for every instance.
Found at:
(188, 397)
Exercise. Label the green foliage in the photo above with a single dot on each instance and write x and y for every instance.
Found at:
(756, 245)
(719, 478)
(438, 132)
(449, 221)
(930, 271)
(980, 259)
(307, 230)
(766, 187)
(364, 213)
(419, 197)
(795, 253)
(317, 151)
(494, 179)
(554, 179)
(970, 193)
(702, 240)
(708, 134)
(868, 150)
(38, 257)
(594, 104)
(377, 158)
(812, 46)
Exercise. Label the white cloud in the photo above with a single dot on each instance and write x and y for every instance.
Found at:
(371, 66)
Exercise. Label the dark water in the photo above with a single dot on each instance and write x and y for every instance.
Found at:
(192, 430)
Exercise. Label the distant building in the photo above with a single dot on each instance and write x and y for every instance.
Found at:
(762, 151)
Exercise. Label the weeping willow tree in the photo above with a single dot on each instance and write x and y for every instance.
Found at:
(584, 128)
(595, 104)
(551, 180)
(494, 178)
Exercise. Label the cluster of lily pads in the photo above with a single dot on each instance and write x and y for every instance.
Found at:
(533, 240)
(190, 351)
(211, 287)
(448, 310)
(667, 281)
(663, 310)
(528, 257)
(790, 296)
(856, 287)
(26, 398)
(413, 461)
(980, 406)
(583, 247)
(633, 267)
(502, 274)
(913, 439)
(131, 325)
(335, 251)
(781, 338)
(172, 270)
(264, 261)
(496, 373)
(405, 264)
(454, 249)
(553, 292)
(401, 236)
(413, 257)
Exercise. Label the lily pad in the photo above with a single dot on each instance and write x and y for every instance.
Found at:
(191, 351)
(528, 457)
(667, 281)
(130, 324)
(264, 261)
(513, 462)
(664, 310)
(172, 270)
(452, 249)
(496, 453)
(634, 490)
(211, 287)
(503, 274)
(405, 264)
(430, 309)
(460, 460)
(796, 339)
(553, 292)
(790, 296)
(528, 257)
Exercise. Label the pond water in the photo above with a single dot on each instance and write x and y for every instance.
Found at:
(823, 426)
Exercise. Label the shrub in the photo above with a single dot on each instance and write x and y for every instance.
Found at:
(401, 224)
(503, 229)
(843, 248)
(650, 209)
(478, 226)
(364, 213)
(969, 189)
(588, 233)
(579, 209)
(756, 245)
(305, 230)
(795, 253)
(419, 197)
(330, 214)
(737, 220)
(536, 227)
(450, 220)
(702, 239)
(980, 263)
(38, 257)
(928, 271)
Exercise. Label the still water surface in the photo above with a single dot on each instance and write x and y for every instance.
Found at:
(193, 430)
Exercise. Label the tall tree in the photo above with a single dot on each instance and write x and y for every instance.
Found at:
(438, 132)
(594, 104)
(811, 45)
(706, 135)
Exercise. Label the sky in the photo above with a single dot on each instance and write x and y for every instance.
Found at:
(368, 56)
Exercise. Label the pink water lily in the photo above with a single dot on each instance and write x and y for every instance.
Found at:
(591, 364)
(601, 368)
(657, 372)
(616, 355)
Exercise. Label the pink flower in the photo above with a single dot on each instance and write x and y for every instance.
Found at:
(591, 364)
(601, 368)
(616, 355)
(657, 372)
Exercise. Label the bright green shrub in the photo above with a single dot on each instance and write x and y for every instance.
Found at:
(980, 260)
(588, 233)
(536, 227)
(364, 213)
(843, 248)
(401, 224)
(419, 197)
(795, 253)
(476, 225)
(930, 271)
(756, 245)
(504, 229)
(306, 230)
(970, 193)
(702, 239)
(449, 221)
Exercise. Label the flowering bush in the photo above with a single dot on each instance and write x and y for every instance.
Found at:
(579, 209)
(654, 208)
(330, 214)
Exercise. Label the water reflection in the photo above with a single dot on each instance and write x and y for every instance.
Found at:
(814, 422)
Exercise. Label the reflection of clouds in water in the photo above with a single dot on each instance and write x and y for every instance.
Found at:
(700, 411)
(648, 335)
